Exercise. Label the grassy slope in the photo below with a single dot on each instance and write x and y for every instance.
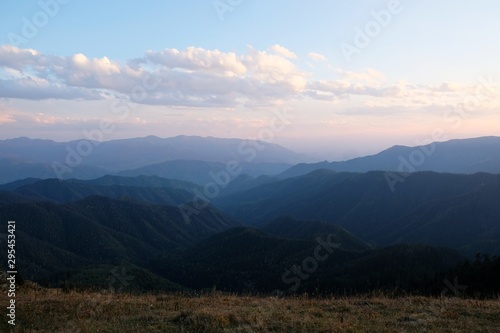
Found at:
(50, 310)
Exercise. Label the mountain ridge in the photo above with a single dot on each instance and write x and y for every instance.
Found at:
(452, 156)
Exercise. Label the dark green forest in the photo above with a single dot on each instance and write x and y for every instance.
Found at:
(323, 233)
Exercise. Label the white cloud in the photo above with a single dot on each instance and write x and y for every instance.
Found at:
(16, 58)
(196, 77)
(316, 56)
(35, 88)
(196, 60)
(344, 88)
(363, 75)
(191, 77)
(274, 69)
(448, 87)
(283, 51)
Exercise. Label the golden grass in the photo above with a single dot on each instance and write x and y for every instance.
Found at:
(51, 310)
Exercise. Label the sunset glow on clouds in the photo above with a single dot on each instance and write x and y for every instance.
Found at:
(231, 91)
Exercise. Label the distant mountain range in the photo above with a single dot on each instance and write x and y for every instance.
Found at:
(23, 157)
(192, 158)
(455, 156)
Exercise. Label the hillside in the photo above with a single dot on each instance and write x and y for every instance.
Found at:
(248, 260)
(459, 211)
(98, 230)
(288, 227)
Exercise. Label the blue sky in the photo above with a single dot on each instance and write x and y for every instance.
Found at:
(425, 66)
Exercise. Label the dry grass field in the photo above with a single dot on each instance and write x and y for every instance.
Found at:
(51, 310)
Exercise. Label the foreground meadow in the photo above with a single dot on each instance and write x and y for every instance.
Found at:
(52, 310)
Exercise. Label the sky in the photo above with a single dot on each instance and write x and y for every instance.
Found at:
(333, 79)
